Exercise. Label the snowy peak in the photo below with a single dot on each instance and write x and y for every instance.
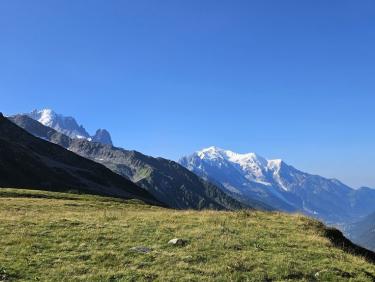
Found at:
(210, 153)
(63, 124)
(250, 176)
(68, 126)
(274, 165)
(248, 160)
(251, 166)
(45, 116)
(213, 152)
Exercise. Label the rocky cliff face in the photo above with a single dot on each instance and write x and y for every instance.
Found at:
(102, 136)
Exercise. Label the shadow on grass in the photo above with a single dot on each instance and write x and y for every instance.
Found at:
(340, 241)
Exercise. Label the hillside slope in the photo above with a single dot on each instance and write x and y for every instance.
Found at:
(168, 181)
(27, 161)
(64, 237)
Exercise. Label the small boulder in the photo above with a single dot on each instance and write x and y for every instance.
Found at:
(141, 249)
(177, 242)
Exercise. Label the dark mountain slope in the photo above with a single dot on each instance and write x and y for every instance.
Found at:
(29, 162)
(168, 181)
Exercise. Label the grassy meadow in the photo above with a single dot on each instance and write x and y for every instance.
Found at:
(65, 237)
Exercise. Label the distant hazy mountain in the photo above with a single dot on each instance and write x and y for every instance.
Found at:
(69, 126)
(168, 181)
(249, 176)
(32, 163)
(102, 136)
(363, 232)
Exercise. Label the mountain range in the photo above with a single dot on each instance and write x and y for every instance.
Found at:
(69, 126)
(166, 180)
(252, 177)
(33, 163)
(211, 178)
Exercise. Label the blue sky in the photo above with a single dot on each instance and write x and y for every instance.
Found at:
(285, 79)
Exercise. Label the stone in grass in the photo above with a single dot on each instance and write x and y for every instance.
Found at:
(178, 242)
(141, 249)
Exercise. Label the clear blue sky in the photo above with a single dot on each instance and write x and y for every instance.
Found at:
(286, 79)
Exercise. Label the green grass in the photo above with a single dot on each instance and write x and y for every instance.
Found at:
(66, 237)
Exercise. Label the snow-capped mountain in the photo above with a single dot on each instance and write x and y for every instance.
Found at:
(252, 177)
(69, 126)
(252, 166)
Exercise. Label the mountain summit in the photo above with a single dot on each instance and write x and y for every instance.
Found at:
(102, 136)
(254, 167)
(252, 177)
(69, 126)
